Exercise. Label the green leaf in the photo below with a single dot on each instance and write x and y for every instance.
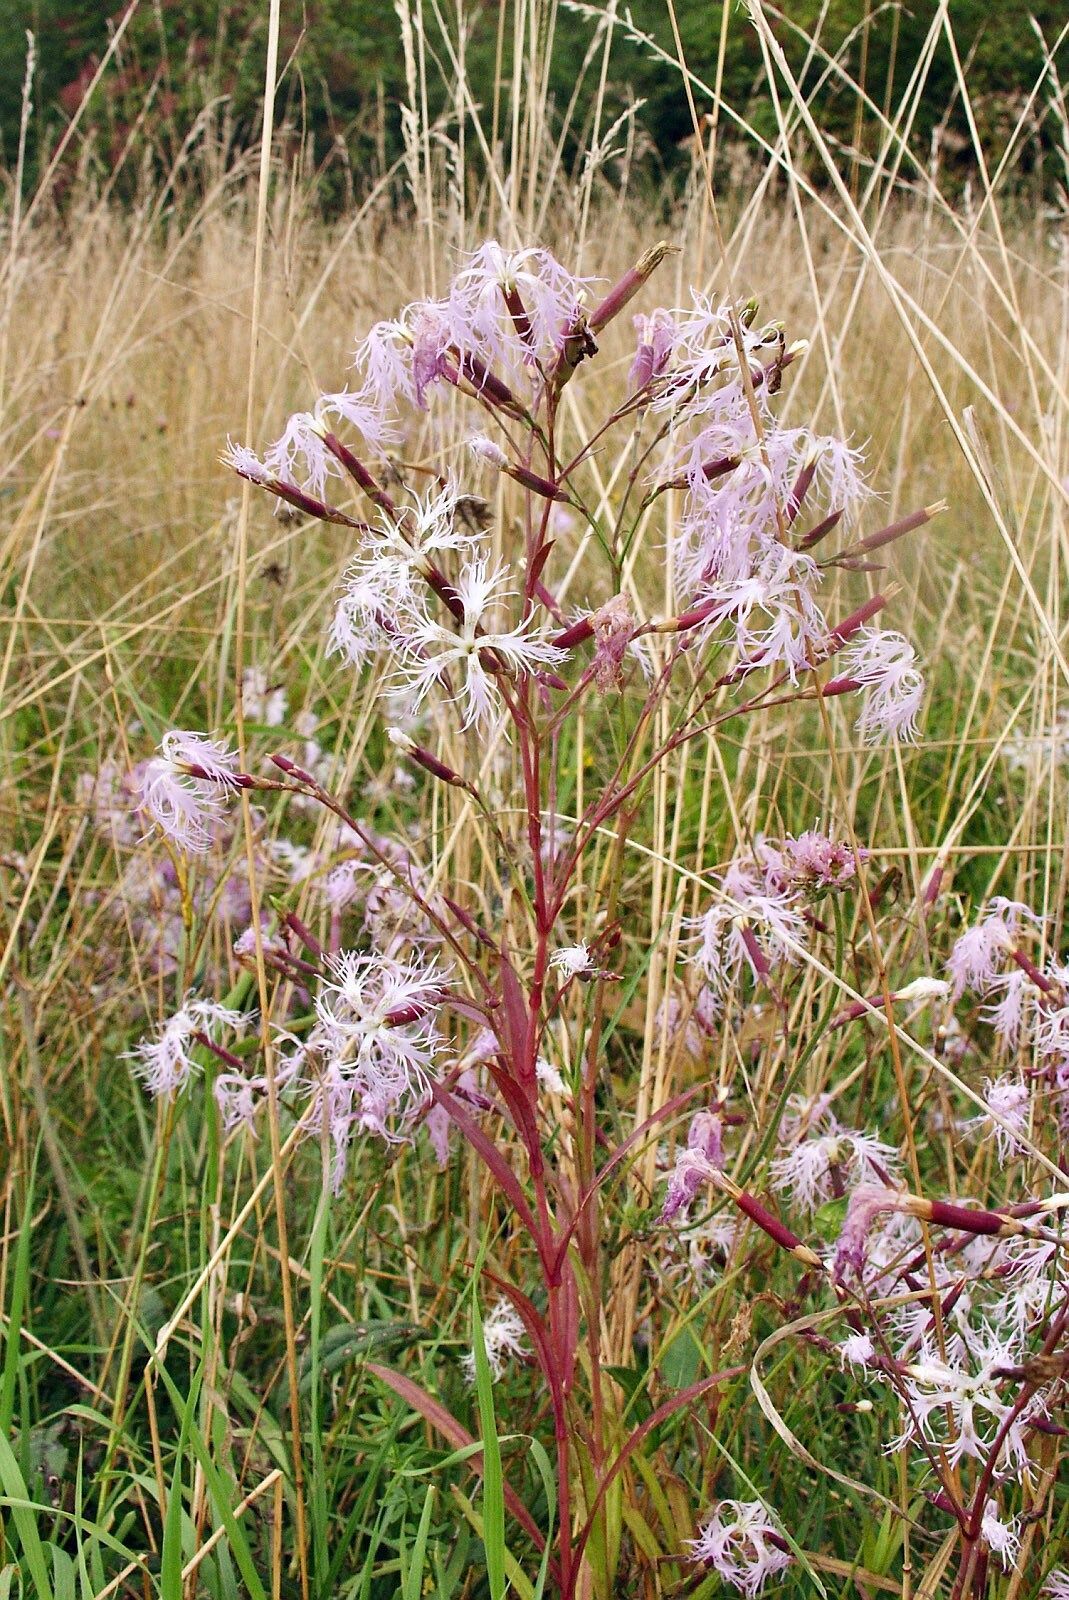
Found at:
(828, 1219)
(24, 1517)
(413, 1586)
(493, 1483)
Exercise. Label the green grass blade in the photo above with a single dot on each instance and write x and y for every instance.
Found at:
(493, 1496)
(25, 1521)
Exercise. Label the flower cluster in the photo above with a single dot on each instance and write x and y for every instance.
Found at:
(415, 1002)
(759, 922)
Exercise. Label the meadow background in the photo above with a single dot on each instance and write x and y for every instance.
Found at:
(894, 186)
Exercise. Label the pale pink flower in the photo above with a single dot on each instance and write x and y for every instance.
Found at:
(857, 1350)
(245, 462)
(384, 357)
(747, 928)
(272, 944)
(704, 373)
(614, 627)
(185, 787)
(964, 1385)
(700, 1160)
(375, 1031)
(1057, 1584)
(980, 951)
(429, 525)
(1052, 1035)
(370, 595)
(886, 664)
(382, 585)
(239, 1099)
(656, 341)
(1003, 1539)
(810, 863)
(363, 411)
(1009, 1014)
(867, 1202)
(497, 290)
(807, 1174)
(434, 333)
(1036, 1284)
(775, 618)
(742, 1545)
(300, 456)
(1009, 1102)
(166, 1062)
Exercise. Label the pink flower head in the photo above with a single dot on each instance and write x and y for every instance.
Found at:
(384, 358)
(514, 306)
(886, 664)
(741, 1544)
(777, 622)
(857, 1350)
(807, 1173)
(245, 462)
(959, 1399)
(166, 1063)
(1008, 1015)
(614, 627)
(811, 863)
(705, 370)
(363, 411)
(1009, 1103)
(301, 442)
(184, 788)
(747, 928)
(239, 1099)
(867, 1202)
(979, 952)
(656, 341)
(702, 1158)
(375, 1032)
(1003, 1539)
(433, 335)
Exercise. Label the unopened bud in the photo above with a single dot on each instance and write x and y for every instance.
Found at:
(923, 989)
(485, 450)
(627, 287)
(576, 633)
(292, 770)
(423, 758)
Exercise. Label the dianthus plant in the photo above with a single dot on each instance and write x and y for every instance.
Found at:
(494, 596)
